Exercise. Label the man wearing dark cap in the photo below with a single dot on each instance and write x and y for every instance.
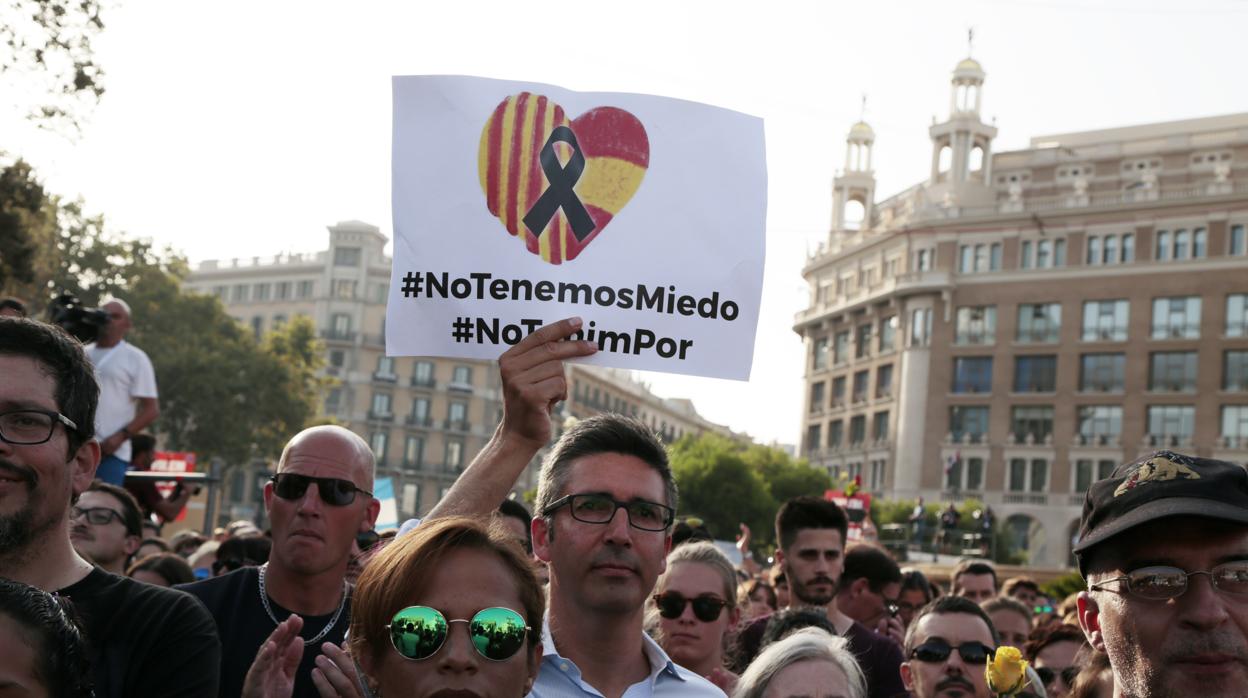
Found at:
(1163, 544)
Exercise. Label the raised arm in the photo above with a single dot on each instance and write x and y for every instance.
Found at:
(533, 383)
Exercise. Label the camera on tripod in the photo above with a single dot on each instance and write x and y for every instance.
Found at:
(81, 322)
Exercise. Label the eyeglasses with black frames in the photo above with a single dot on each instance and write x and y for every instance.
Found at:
(31, 427)
(1160, 583)
(96, 516)
(600, 509)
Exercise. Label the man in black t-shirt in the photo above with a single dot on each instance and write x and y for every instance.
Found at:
(811, 533)
(319, 500)
(144, 640)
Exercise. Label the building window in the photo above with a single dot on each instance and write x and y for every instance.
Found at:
(281, 291)
(462, 375)
(262, 291)
(1100, 425)
(378, 441)
(257, 326)
(816, 397)
(222, 292)
(1102, 373)
(457, 414)
(819, 354)
(923, 260)
(1110, 249)
(1238, 241)
(1035, 374)
(976, 325)
(1237, 315)
(920, 327)
(1039, 322)
(877, 475)
(964, 474)
(981, 257)
(306, 288)
(1171, 425)
(332, 399)
(840, 347)
(879, 426)
(813, 434)
(860, 386)
(1172, 372)
(836, 431)
(1235, 371)
(884, 381)
(1105, 321)
(1176, 317)
(385, 367)
(1235, 424)
(240, 293)
(838, 391)
(1031, 423)
(888, 334)
(972, 374)
(414, 451)
(968, 423)
(336, 358)
(381, 404)
(420, 411)
(422, 374)
(454, 454)
(1088, 472)
(346, 256)
(1043, 254)
(340, 326)
(857, 430)
(862, 347)
(1180, 245)
(344, 288)
(1029, 476)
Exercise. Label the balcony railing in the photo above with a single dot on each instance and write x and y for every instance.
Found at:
(381, 416)
(457, 425)
(338, 335)
(385, 377)
(1098, 440)
(1037, 498)
(429, 383)
(417, 421)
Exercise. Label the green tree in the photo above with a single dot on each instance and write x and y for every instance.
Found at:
(48, 43)
(785, 477)
(718, 485)
(23, 222)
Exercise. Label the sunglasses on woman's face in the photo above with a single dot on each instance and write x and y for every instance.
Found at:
(1048, 674)
(706, 608)
(418, 632)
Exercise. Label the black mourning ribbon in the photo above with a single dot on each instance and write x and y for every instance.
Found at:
(559, 194)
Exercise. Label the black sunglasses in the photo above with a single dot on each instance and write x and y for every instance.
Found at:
(934, 651)
(705, 608)
(334, 491)
(1047, 674)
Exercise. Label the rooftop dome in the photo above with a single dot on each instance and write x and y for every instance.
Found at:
(968, 67)
(861, 131)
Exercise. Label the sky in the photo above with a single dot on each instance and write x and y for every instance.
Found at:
(247, 128)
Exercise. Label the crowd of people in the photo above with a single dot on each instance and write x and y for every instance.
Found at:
(597, 592)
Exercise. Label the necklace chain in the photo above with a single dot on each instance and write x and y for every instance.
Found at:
(264, 599)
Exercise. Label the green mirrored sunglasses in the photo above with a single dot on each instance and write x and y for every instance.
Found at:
(418, 632)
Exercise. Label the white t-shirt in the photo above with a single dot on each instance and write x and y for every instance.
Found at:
(125, 374)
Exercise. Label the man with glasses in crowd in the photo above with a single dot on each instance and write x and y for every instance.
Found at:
(605, 505)
(146, 640)
(105, 527)
(947, 648)
(868, 591)
(1163, 543)
(317, 503)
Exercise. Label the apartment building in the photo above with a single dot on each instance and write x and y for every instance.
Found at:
(1017, 324)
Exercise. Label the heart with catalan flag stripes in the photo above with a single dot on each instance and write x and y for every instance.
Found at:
(556, 183)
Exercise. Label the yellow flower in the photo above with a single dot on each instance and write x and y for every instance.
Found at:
(1006, 672)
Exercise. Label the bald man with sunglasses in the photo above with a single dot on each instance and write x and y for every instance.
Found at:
(319, 500)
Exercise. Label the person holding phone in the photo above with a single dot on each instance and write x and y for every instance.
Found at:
(869, 589)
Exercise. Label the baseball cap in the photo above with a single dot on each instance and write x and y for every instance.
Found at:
(1157, 486)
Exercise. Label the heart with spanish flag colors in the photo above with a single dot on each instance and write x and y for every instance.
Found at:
(556, 183)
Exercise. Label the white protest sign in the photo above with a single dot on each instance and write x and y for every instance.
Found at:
(518, 204)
